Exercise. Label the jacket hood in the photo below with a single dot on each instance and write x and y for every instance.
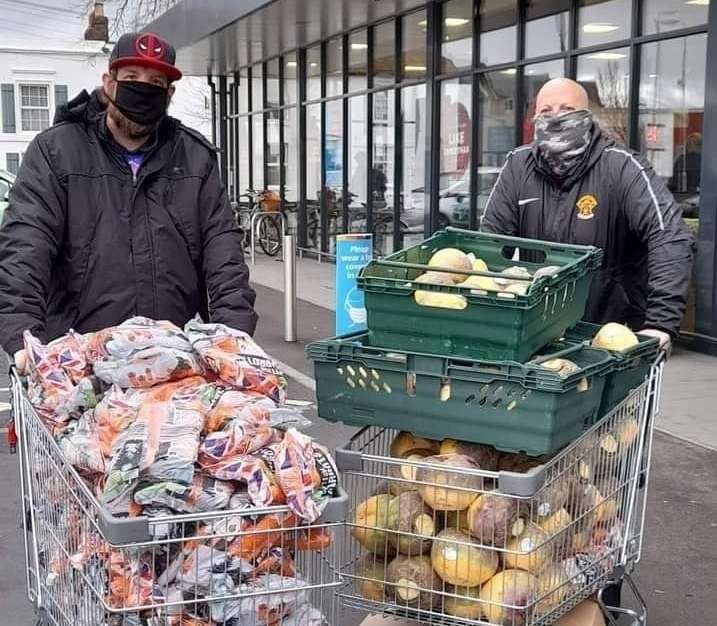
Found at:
(82, 108)
(598, 143)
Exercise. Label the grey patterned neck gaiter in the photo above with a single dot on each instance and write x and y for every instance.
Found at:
(563, 139)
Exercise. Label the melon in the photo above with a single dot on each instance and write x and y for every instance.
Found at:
(616, 337)
(452, 259)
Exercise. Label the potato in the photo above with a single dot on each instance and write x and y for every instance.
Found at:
(466, 607)
(371, 517)
(552, 497)
(406, 443)
(613, 336)
(486, 456)
(413, 581)
(518, 462)
(371, 570)
(528, 551)
(554, 584)
(513, 588)
(407, 513)
(460, 560)
(608, 508)
(454, 519)
(443, 498)
(407, 473)
(563, 367)
(558, 521)
(452, 259)
(493, 517)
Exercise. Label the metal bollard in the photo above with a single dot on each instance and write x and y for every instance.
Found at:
(289, 288)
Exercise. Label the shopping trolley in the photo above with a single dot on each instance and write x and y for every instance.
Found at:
(447, 545)
(86, 567)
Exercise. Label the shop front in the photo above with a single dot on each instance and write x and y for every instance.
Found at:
(396, 117)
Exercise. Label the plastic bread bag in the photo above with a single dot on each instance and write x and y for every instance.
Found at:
(54, 371)
(252, 407)
(264, 601)
(205, 494)
(305, 472)
(114, 413)
(237, 359)
(80, 444)
(141, 353)
(161, 444)
(131, 579)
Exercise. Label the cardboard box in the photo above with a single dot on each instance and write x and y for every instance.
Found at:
(587, 613)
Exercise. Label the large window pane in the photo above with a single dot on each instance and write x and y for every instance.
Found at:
(457, 35)
(272, 150)
(606, 78)
(244, 90)
(546, 30)
(334, 67)
(413, 53)
(498, 29)
(272, 83)
(333, 175)
(244, 152)
(384, 54)
(290, 78)
(358, 60)
(382, 170)
(313, 73)
(257, 88)
(413, 176)
(497, 134)
(358, 177)
(659, 16)
(291, 156)
(672, 95)
(534, 77)
(258, 151)
(313, 167)
(455, 151)
(603, 21)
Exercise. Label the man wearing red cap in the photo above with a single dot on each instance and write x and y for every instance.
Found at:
(118, 210)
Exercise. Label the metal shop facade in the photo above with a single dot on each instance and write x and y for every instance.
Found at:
(395, 116)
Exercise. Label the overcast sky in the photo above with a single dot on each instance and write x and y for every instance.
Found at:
(45, 23)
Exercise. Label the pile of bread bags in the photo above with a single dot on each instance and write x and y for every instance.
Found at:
(159, 420)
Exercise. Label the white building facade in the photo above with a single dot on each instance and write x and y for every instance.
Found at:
(33, 82)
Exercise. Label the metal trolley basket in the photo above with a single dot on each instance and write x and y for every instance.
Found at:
(88, 568)
(441, 544)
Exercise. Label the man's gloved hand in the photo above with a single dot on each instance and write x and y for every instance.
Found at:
(20, 359)
(664, 339)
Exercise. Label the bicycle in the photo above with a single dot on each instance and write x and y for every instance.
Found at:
(268, 231)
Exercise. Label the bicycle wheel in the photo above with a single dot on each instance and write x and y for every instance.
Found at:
(269, 236)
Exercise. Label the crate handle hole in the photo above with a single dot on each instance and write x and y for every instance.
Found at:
(530, 255)
(470, 399)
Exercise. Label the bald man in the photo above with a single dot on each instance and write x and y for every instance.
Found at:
(574, 184)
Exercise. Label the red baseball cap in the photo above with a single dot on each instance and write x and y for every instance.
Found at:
(145, 49)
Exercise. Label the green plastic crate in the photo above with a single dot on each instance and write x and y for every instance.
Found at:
(515, 407)
(629, 368)
(494, 326)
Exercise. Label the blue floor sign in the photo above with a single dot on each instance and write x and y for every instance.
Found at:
(353, 251)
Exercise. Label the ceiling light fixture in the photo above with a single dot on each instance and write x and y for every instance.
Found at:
(607, 56)
(698, 3)
(359, 46)
(451, 22)
(414, 68)
(599, 28)
(510, 71)
(291, 64)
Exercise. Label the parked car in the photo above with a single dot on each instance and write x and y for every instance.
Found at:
(6, 181)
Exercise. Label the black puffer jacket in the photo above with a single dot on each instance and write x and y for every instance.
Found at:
(614, 201)
(84, 245)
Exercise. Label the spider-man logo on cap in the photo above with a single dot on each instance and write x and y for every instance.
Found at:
(145, 49)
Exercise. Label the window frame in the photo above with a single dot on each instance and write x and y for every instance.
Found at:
(19, 107)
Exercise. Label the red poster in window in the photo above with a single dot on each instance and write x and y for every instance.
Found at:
(455, 139)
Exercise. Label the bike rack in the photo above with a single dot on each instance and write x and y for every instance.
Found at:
(256, 219)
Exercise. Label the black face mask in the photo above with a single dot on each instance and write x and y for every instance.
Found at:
(140, 102)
